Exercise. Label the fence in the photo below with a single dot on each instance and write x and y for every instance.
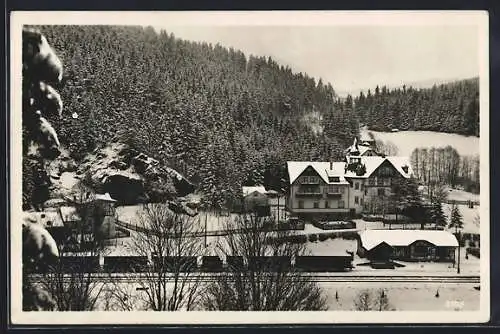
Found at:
(469, 204)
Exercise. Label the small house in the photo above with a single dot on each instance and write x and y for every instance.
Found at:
(407, 245)
(255, 199)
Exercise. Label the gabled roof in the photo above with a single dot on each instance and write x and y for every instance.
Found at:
(295, 168)
(250, 190)
(373, 238)
(399, 163)
(373, 162)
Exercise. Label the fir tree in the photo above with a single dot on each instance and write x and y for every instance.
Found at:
(456, 220)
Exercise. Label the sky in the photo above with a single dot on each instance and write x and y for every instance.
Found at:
(354, 58)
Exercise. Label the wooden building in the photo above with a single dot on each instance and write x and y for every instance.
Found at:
(407, 245)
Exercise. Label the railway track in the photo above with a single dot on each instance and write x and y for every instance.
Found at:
(317, 277)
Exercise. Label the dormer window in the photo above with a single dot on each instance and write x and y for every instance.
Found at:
(332, 179)
(355, 160)
(405, 169)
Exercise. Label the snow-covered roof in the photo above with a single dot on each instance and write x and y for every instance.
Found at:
(295, 168)
(373, 238)
(399, 163)
(363, 149)
(104, 197)
(373, 162)
(250, 190)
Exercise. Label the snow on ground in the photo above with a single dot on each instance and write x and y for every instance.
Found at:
(332, 247)
(401, 296)
(468, 215)
(461, 195)
(405, 297)
(407, 141)
(68, 180)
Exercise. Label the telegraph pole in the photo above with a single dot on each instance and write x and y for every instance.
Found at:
(458, 263)
(206, 229)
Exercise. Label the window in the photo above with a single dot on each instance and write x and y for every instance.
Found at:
(342, 190)
(381, 192)
(301, 204)
(341, 204)
(380, 181)
(356, 200)
(307, 189)
(387, 182)
(310, 179)
(327, 204)
(356, 185)
(334, 179)
(333, 189)
(366, 191)
(361, 201)
(386, 171)
(361, 186)
(371, 182)
(316, 205)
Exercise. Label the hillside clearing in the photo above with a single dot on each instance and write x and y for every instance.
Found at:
(407, 141)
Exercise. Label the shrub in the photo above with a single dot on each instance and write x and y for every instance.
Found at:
(349, 235)
(333, 235)
(297, 239)
(322, 237)
(475, 251)
(313, 237)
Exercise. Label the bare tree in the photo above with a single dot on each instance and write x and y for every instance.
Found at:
(71, 281)
(367, 300)
(267, 281)
(386, 148)
(169, 282)
(363, 301)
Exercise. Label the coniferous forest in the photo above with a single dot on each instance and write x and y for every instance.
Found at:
(451, 107)
(222, 118)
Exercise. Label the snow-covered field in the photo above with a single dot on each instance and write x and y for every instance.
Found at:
(401, 296)
(407, 141)
(405, 297)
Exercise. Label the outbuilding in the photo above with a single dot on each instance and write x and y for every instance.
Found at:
(255, 199)
(407, 245)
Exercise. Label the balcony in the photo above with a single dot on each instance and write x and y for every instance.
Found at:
(330, 193)
(304, 193)
(309, 180)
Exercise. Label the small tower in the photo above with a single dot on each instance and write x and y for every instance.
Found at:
(106, 205)
(352, 153)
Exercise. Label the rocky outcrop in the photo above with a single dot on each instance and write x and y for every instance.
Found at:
(127, 175)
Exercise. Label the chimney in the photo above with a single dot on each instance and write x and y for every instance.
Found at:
(331, 163)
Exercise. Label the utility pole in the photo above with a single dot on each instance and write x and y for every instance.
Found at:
(458, 263)
(278, 220)
(205, 229)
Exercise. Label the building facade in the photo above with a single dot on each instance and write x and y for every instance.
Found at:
(359, 184)
(407, 245)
